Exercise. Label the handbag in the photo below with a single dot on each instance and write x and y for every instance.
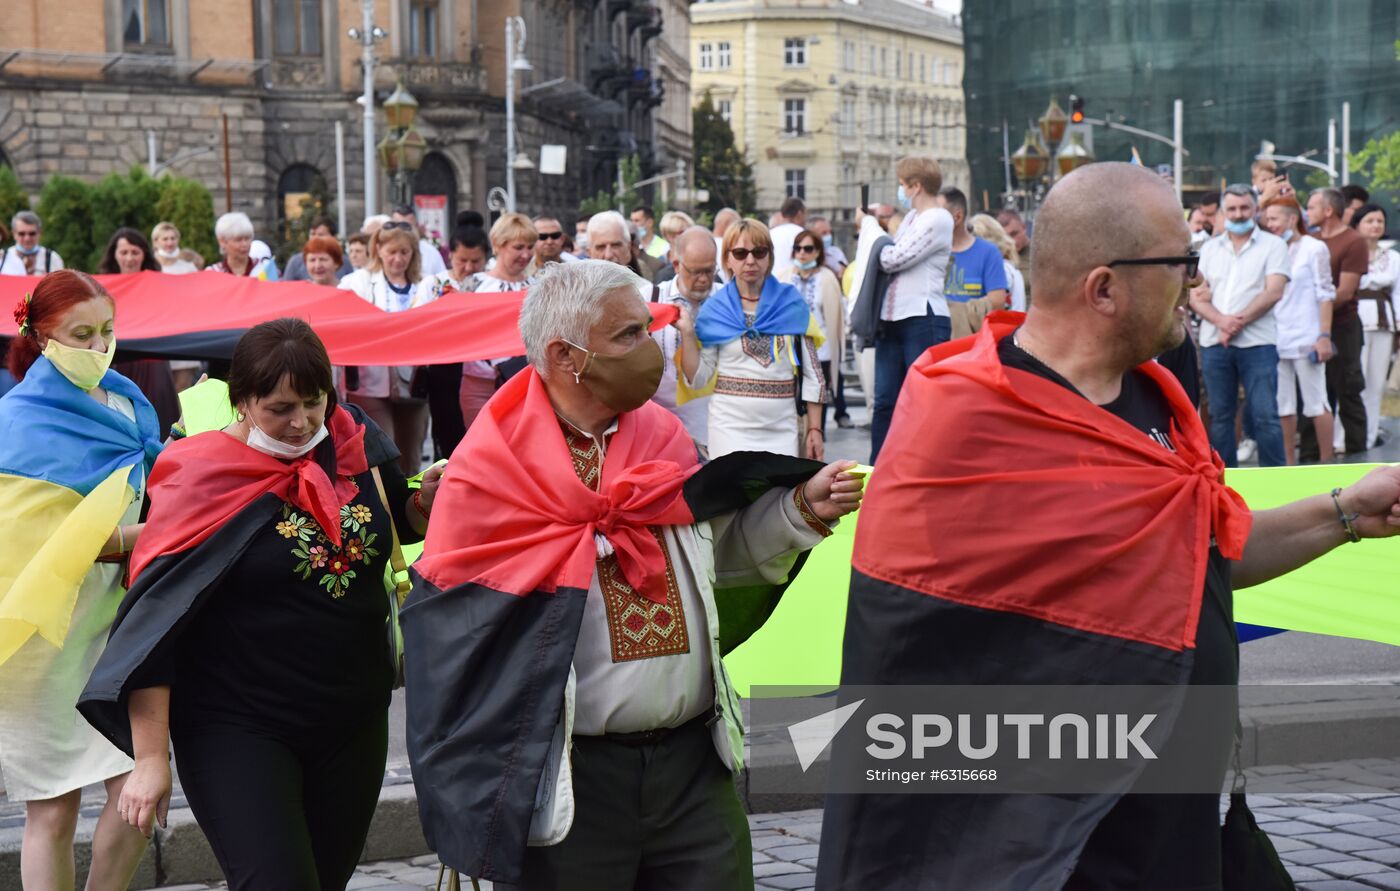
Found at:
(397, 586)
(1248, 860)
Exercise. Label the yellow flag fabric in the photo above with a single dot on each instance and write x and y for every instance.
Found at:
(684, 392)
(1350, 592)
(205, 407)
(49, 538)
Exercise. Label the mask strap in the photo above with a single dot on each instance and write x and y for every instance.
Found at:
(588, 357)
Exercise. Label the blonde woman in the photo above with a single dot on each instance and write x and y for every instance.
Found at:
(672, 224)
(988, 229)
(173, 259)
(389, 282)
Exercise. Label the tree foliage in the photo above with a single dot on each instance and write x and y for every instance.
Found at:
(65, 206)
(1379, 160)
(13, 198)
(188, 205)
(610, 199)
(119, 201)
(720, 166)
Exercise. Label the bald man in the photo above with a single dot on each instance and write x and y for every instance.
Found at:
(1115, 565)
(693, 258)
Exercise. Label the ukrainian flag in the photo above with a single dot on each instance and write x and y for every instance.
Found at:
(69, 467)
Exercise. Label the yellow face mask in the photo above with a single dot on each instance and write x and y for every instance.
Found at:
(83, 368)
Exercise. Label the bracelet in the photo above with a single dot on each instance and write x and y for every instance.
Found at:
(817, 430)
(1346, 519)
(177, 432)
(804, 510)
(1326, 334)
(418, 503)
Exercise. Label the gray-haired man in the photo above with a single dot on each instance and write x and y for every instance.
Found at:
(26, 256)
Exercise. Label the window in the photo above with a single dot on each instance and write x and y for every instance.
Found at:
(936, 75)
(707, 57)
(884, 61)
(872, 60)
(724, 54)
(950, 74)
(726, 110)
(923, 125)
(848, 55)
(296, 189)
(848, 117)
(794, 117)
(795, 184)
(423, 27)
(898, 131)
(296, 27)
(795, 52)
(145, 23)
(897, 56)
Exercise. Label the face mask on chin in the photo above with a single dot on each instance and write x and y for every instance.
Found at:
(623, 383)
(260, 441)
(83, 368)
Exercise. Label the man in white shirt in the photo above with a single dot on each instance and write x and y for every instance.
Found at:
(914, 313)
(794, 220)
(26, 256)
(1245, 271)
(693, 258)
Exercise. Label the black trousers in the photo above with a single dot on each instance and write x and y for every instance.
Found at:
(283, 814)
(657, 817)
(1345, 381)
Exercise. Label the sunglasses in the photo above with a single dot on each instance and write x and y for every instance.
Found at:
(1190, 262)
(805, 249)
(742, 254)
(551, 236)
(398, 224)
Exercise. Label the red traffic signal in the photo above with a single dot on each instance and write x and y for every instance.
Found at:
(1076, 110)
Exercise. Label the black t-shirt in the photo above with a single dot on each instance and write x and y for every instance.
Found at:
(294, 636)
(1142, 404)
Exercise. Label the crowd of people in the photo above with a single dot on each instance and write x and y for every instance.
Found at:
(612, 494)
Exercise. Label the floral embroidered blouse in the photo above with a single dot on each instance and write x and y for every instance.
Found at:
(294, 635)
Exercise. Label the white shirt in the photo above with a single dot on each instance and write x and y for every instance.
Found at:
(1018, 286)
(380, 381)
(695, 414)
(1309, 283)
(429, 258)
(918, 260)
(45, 261)
(783, 236)
(1384, 275)
(1236, 278)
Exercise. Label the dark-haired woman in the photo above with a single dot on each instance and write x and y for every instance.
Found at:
(77, 441)
(255, 628)
(128, 252)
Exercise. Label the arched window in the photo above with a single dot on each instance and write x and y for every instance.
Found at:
(295, 187)
(435, 197)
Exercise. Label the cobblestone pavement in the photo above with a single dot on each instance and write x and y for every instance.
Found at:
(1330, 842)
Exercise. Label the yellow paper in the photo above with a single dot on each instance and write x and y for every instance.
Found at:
(49, 538)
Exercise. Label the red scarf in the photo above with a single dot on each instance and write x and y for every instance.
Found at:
(512, 515)
(200, 483)
(1003, 490)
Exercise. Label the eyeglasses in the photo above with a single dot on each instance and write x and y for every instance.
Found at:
(1191, 262)
(805, 249)
(742, 254)
(551, 236)
(398, 224)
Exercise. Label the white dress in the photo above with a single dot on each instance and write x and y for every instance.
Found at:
(46, 747)
(754, 406)
(380, 381)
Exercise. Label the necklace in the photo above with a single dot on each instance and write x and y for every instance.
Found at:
(1016, 342)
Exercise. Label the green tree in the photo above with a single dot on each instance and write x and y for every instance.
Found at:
(188, 205)
(13, 198)
(292, 232)
(720, 166)
(609, 199)
(65, 206)
(1379, 160)
(119, 201)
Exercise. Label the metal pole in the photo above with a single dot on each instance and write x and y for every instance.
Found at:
(510, 113)
(228, 173)
(1332, 150)
(151, 151)
(1176, 149)
(367, 62)
(1006, 154)
(340, 175)
(1346, 143)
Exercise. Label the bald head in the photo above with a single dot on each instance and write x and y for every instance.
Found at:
(694, 246)
(1095, 215)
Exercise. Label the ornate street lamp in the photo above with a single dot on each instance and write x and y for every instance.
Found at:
(1031, 160)
(1073, 154)
(403, 148)
(1053, 123)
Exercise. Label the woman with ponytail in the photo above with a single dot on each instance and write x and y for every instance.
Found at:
(77, 442)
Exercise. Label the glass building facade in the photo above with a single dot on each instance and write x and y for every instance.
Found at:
(1246, 70)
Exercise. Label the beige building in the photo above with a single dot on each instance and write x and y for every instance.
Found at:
(824, 95)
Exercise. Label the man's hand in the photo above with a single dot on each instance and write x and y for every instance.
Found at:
(1376, 498)
(832, 492)
(1232, 324)
(1325, 350)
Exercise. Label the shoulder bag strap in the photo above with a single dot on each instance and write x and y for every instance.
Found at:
(401, 583)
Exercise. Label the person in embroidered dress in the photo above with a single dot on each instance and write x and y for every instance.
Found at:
(564, 637)
(1378, 303)
(821, 291)
(254, 634)
(753, 345)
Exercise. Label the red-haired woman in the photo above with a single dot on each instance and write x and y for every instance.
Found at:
(77, 442)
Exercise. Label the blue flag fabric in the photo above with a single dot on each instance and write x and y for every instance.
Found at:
(781, 311)
(52, 431)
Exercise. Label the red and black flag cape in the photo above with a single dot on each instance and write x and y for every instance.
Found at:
(210, 497)
(492, 621)
(1015, 533)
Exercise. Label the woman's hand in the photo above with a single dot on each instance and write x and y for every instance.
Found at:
(814, 444)
(432, 478)
(833, 492)
(145, 797)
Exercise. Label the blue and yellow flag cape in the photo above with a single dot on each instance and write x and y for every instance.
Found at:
(69, 467)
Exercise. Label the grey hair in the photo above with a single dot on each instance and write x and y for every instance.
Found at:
(602, 220)
(27, 216)
(566, 301)
(1242, 190)
(233, 225)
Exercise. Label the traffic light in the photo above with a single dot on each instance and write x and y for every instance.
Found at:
(1076, 109)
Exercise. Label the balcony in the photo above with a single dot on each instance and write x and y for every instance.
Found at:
(646, 16)
(426, 77)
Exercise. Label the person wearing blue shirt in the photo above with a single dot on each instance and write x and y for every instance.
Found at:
(975, 267)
